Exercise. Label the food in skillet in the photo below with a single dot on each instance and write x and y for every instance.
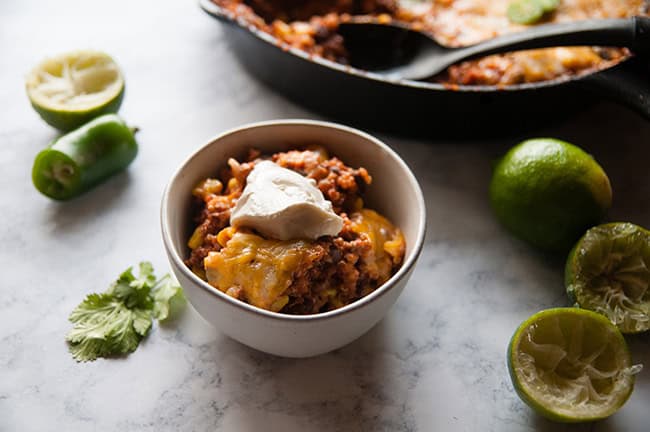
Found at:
(311, 26)
(289, 233)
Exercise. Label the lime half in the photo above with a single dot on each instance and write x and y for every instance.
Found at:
(608, 271)
(71, 89)
(571, 365)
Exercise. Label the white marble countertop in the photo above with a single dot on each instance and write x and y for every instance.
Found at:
(436, 362)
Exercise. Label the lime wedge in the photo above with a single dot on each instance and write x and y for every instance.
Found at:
(571, 365)
(608, 271)
(525, 11)
(71, 89)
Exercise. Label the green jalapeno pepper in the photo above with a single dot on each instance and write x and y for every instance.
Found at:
(81, 159)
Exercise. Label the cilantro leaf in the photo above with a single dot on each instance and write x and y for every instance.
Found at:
(146, 278)
(141, 321)
(135, 291)
(91, 316)
(115, 322)
(121, 288)
(168, 298)
(104, 326)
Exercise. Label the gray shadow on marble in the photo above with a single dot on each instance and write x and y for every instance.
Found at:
(69, 216)
(620, 143)
(540, 424)
(345, 390)
(455, 175)
(461, 225)
(247, 94)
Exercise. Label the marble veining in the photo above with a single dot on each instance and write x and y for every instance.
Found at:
(436, 362)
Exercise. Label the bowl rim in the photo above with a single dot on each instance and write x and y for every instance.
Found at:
(406, 267)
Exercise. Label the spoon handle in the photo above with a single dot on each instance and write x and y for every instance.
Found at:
(633, 33)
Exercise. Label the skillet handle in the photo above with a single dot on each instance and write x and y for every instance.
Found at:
(642, 35)
(627, 84)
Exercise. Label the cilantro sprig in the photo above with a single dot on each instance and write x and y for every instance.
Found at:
(113, 323)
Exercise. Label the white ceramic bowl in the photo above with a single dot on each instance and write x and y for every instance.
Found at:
(394, 192)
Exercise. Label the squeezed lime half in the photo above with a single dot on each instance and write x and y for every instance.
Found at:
(571, 365)
(71, 89)
(608, 271)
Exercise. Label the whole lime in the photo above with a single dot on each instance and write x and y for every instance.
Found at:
(549, 192)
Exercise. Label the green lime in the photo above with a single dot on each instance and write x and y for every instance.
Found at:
(71, 89)
(525, 11)
(549, 192)
(571, 365)
(608, 271)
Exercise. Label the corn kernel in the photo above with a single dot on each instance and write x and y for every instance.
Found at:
(279, 303)
(225, 235)
(233, 184)
(197, 238)
(213, 186)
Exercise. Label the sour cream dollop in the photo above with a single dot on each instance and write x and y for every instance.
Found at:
(282, 204)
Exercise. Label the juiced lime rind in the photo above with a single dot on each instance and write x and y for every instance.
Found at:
(73, 88)
(580, 369)
(66, 123)
(608, 271)
(548, 192)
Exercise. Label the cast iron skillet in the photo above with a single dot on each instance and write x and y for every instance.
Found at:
(422, 108)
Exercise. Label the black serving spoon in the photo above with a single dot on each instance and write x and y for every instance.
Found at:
(396, 51)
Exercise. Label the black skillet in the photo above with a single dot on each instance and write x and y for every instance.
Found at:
(422, 108)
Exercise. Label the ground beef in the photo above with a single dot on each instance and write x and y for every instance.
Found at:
(335, 265)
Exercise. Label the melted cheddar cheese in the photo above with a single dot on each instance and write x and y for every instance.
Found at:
(386, 240)
(261, 271)
(255, 269)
